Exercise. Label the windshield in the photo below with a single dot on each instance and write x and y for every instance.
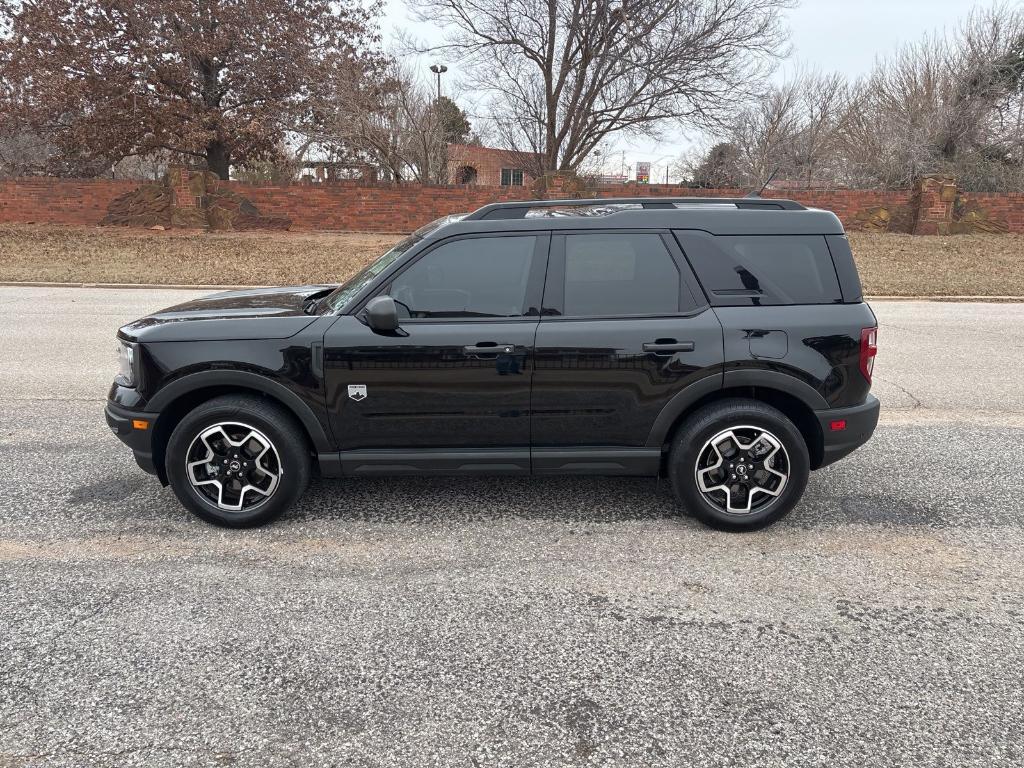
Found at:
(344, 293)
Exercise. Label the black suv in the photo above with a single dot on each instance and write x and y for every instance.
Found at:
(721, 343)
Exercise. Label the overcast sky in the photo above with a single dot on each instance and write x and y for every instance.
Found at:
(830, 35)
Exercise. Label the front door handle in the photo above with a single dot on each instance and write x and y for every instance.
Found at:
(660, 348)
(489, 348)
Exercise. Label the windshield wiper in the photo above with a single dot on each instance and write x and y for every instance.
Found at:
(310, 305)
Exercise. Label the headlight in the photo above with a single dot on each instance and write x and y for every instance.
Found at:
(126, 363)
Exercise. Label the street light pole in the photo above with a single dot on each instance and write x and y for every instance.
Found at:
(438, 69)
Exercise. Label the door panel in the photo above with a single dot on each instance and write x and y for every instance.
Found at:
(596, 385)
(625, 329)
(425, 389)
(456, 373)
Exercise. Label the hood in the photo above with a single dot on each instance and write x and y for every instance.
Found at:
(255, 313)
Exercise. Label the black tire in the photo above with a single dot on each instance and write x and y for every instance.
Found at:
(292, 457)
(691, 442)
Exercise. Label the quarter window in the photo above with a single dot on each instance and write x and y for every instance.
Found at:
(474, 277)
(766, 269)
(611, 274)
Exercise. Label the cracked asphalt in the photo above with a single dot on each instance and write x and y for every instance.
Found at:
(513, 622)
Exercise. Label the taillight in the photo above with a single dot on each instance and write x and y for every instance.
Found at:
(868, 350)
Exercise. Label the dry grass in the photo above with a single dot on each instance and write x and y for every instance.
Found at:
(957, 265)
(109, 255)
(962, 265)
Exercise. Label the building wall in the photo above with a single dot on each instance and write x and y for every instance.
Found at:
(488, 164)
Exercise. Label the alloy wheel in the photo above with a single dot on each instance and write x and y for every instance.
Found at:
(233, 466)
(742, 470)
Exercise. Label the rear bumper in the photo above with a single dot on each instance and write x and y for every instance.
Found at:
(121, 421)
(860, 425)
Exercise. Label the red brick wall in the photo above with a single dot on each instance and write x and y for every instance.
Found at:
(369, 207)
(382, 207)
(845, 203)
(59, 201)
(1004, 206)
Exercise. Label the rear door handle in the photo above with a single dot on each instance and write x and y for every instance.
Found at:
(675, 346)
(488, 348)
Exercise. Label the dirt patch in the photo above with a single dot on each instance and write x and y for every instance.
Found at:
(889, 264)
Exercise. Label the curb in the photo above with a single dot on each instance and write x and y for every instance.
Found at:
(949, 298)
(134, 286)
(214, 287)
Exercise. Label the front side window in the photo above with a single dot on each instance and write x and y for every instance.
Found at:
(511, 177)
(613, 274)
(473, 277)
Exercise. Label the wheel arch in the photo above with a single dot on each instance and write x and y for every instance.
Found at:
(176, 399)
(789, 398)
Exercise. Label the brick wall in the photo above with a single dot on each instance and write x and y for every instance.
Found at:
(382, 207)
(369, 207)
(847, 204)
(1007, 207)
(59, 201)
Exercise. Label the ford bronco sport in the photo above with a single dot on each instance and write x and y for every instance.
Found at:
(723, 343)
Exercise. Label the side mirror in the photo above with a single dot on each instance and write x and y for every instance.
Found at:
(382, 314)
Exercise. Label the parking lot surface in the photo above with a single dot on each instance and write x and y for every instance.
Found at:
(516, 622)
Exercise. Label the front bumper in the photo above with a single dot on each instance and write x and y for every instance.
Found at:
(860, 425)
(126, 424)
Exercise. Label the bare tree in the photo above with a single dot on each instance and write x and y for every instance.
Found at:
(763, 133)
(823, 104)
(794, 128)
(714, 167)
(563, 75)
(952, 104)
(401, 129)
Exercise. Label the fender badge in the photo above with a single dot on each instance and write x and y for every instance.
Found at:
(357, 392)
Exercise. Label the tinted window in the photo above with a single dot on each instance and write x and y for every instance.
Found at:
(763, 269)
(619, 274)
(475, 277)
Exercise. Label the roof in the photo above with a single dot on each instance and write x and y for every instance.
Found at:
(719, 216)
(470, 150)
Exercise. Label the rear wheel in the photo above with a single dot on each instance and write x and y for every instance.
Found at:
(738, 464)
(238, 461)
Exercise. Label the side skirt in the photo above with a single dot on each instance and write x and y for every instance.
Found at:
(486, 461)
(596, 461)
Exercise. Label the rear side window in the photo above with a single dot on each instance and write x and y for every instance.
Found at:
(611, 274)
(762, 269)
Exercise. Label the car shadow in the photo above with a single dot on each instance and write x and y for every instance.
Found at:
(475, 499)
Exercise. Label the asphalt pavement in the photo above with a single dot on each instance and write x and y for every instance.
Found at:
(516, 622)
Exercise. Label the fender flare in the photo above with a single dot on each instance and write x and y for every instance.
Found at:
(678, 405)
(781, 382)
(247, 380)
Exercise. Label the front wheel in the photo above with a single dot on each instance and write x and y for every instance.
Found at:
(738, 465)
(238, 461)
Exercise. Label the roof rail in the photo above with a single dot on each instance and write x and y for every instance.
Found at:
(519, 209)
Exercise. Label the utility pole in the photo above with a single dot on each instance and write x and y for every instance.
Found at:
(438, 69)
